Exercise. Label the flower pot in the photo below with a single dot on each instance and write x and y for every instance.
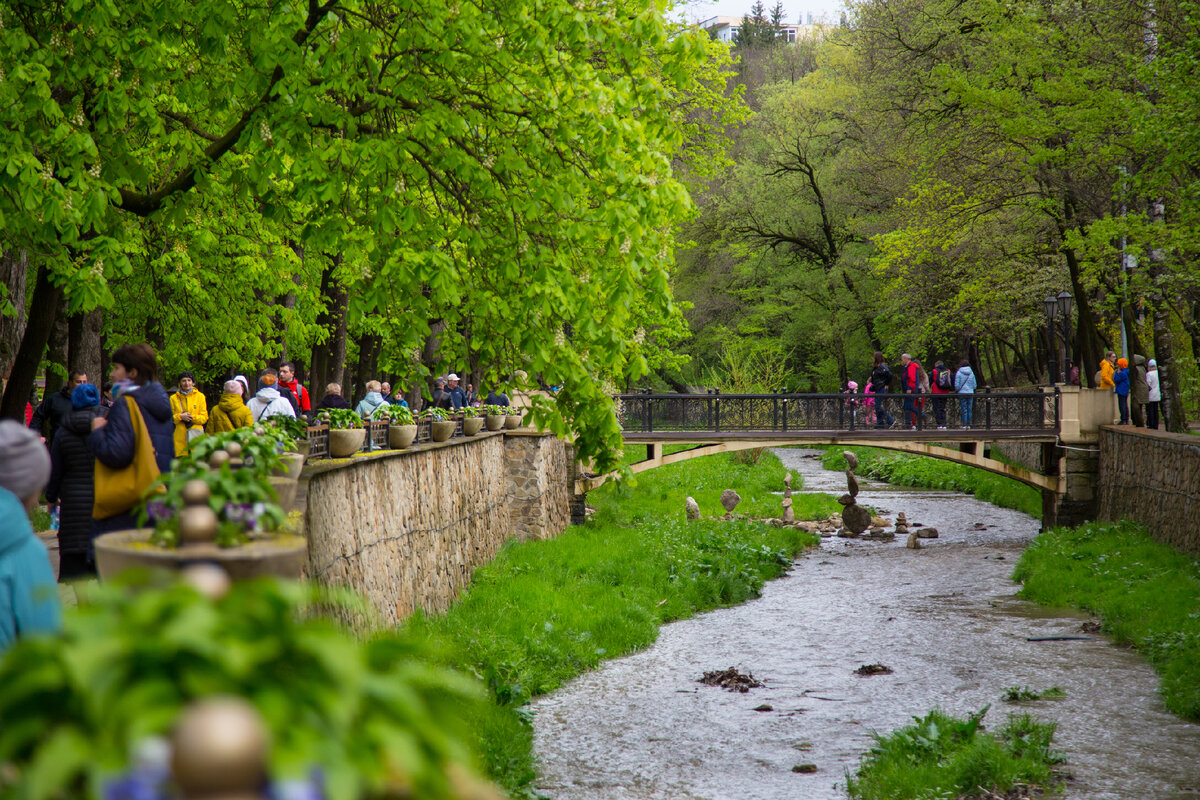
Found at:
(293, 465)
(495, 422)
(401, 436)
(345, 442)
(282, 555)
(472, 425)
(301, 446)
(286, 489)
(441, 430)
(512, 421)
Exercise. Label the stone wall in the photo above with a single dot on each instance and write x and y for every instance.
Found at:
(1152, 477)
(407, 528)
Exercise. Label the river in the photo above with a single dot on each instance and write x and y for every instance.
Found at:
(945, 618)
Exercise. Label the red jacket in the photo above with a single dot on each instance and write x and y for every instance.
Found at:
(301, 393)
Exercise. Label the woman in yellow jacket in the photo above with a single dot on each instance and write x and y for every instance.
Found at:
(189, 410)
(1107, 367)
(230, 413)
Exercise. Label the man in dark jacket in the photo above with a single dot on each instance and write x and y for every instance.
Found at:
(71, 481)
(50, 413)
(333, 398)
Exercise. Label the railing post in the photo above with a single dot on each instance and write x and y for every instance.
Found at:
(987, 408)
(785, 406)
(842, 414)
(853, 411)
(649, 417)
(717, 412)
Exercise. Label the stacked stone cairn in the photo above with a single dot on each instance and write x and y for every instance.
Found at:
(855, 518)
(789, 516)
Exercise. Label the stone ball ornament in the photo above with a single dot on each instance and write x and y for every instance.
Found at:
(219, 750)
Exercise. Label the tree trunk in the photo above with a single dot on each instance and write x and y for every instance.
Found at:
(83, 344)
(429, 357)
(368, 362)
(43, 310)
(57, 366)
(329, 359)
(14, 268)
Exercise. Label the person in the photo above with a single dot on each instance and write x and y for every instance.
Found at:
(230, 412)
(472, 397)
(189, 409)
(965, 383)
(333, 398)
(31, 404)
(106, 395)
(1139, 391)
(268, 402)
(881, 378)
(245, 387)
(29, 601)
(458, 398)
(1104, 376)
(385, 389)
(72, 477)
(852, 400)
(372, 402)
(496, 398)
(112, 440)
(1120, 379)
(48, 416)
(1072, 373)
(941, 382)
(1153, 394)
(287, 380)
(440, 399)
(869, 405)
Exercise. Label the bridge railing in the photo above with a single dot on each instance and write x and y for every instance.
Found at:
(793, 413)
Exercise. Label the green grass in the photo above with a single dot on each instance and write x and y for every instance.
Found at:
(934, 473)
(940, 756)
(545, 611)
(1023, 694)
(39, 518)
(1147, 594)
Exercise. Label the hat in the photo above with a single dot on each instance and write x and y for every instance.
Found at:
(1122, 363)
(1152, 363)
(451, 377)
(85, 396)
(852, 384)
(185, 374)
(24, 461)
(266, 381)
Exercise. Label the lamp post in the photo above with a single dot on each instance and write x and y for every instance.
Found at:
(1051, 306)
(1065, 302)
(1058, 306)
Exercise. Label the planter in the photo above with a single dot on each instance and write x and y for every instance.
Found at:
(472, 425)
(293, 465)
(512, 421)
(401, 436)
(345, 442)
(494, 422)
(301, 446)
(283, 555)
(441, 430)
(286, 489)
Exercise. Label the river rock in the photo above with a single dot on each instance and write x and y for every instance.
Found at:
(913, 542)
(851, 483)
(927, 533)
(846, 500)
(851, 459)
(844, 533)
(787, 480)
(730, 499)
(856, 518)
(880, 522)
(692, 507)
(879, 535)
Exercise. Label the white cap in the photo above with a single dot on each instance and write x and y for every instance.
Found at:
(451, 377)
(1152, 363)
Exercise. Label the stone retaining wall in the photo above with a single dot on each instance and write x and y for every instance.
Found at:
(1152, 477)
(407, 528)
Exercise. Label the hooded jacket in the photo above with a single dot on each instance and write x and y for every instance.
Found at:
(72, 479)
(28, 593)
(1106, 374)
(53, 410)
(229, 414)
(268, 402)
(193, 403)
(370, 404)
(964, 380)
(332, 401)
(1137, 381)
(114, 443)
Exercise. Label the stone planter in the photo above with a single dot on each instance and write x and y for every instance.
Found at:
(286, 489)
(301, 446)
(293, 465)
(345, 442)
(441, 430)
(401, 436)
(512, 421)
(472, 425)
(495, 422)
(283, 555)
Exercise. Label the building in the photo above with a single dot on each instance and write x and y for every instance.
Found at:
(725, 29)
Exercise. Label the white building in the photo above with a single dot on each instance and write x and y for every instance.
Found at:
(725, 28)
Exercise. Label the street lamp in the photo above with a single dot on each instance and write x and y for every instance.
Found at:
(1051, 305)
(1065, 302)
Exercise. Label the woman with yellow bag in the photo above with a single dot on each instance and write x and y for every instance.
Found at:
(134, 444)
(189, 410)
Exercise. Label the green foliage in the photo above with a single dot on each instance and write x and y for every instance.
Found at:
(544, 611)
(293, 429)
(933, 473)
(1023, 694)
(338, 418)
(435, 413)
(402, 415)
(40, 518)
(372, 715)
(495, 410)
(940, 756)
(1145, 592)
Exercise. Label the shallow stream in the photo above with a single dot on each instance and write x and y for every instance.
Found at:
(945, 619)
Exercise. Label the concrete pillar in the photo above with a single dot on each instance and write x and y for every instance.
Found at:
(1076, 458)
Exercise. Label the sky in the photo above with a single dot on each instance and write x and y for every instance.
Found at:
(696, 10)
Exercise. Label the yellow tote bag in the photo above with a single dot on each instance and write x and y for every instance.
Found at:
(119, 490)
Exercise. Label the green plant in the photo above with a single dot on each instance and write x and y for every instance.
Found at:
(340, 418)
(294, 428)
(372, 715)
(496, 411)
(470, 412)
(383, 412)
(243, 500)
(260, 445)
(1022, 694)
(402, 415)
(435, 413)
(515, 411)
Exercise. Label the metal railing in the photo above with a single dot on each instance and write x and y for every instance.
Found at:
(376, 437)
(780, 414)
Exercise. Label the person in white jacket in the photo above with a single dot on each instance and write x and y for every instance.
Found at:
(1154, 399)
(268, 402)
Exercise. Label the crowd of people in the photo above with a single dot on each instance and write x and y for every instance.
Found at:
(913, 383)
(1139, 385)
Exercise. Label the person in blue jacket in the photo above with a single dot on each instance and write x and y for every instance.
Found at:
(1121, 388)
(965, 383)
(28, 592)
(134, 373)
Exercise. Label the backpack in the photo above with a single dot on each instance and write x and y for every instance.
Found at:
(944, 381)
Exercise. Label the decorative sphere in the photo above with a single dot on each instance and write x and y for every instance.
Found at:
(234, 449)
(197, 524)
(208, 579)
(219, 749)
(218, 458)
(195, 493)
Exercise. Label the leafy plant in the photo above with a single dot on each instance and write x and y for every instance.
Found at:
(372, 715)
(294, 428)
(243, 499)
(260, 448)
(402, 415)
(496, 411)
(469, 412)
(382, 412)
(1021, 694)
(435, 413)
(340, 418)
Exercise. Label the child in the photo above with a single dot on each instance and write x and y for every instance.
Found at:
(869, 404)
(852, 400)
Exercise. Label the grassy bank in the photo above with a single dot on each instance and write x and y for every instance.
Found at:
(942, 756)
(543, 612)
(933, 473)
(1146, 593)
